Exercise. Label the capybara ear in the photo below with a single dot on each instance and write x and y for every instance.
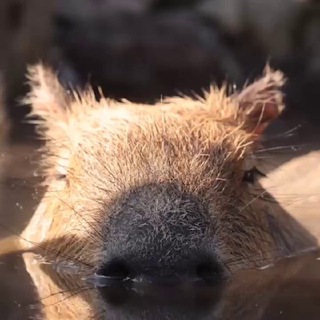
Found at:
(48, 99)
(262, 101)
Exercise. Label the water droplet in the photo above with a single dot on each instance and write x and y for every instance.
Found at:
(20, 206)
(266, 266)
(102, 281)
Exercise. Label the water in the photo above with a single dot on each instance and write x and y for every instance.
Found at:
(288, 290)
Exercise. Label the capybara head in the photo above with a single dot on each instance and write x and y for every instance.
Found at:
(165, 191)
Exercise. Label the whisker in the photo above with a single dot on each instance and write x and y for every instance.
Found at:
(289, 133)
(43, 247)
(254, 199)
(82, 290)
(292, 147)
(273, 260)
(83, 219)
(64, 291)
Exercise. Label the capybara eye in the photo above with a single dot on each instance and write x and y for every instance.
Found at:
(251, 175)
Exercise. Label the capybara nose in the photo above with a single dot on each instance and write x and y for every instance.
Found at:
(192, 269)
(161, 234)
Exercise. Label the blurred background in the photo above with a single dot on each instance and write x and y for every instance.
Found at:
(144, 49)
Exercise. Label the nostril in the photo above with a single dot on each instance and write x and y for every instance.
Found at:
(209, 272)
(115, 269)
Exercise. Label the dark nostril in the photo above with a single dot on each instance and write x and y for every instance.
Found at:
(209, 272)
(116, 269)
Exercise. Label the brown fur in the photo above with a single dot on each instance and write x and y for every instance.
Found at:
(97, 152)
(102, 158)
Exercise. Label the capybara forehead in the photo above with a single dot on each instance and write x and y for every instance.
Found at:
(196, 155)
(184, 124)
(182, 134)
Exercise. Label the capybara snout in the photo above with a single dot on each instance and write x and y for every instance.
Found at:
(161, 232)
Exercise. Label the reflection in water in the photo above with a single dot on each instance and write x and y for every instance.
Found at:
(288, 290)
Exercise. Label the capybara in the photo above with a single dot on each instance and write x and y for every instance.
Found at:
(158, 191)
(167, 193)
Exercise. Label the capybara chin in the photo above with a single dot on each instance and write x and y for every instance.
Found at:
(159, 191)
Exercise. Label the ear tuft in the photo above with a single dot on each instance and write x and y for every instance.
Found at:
(262, 101)
(47, 97)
